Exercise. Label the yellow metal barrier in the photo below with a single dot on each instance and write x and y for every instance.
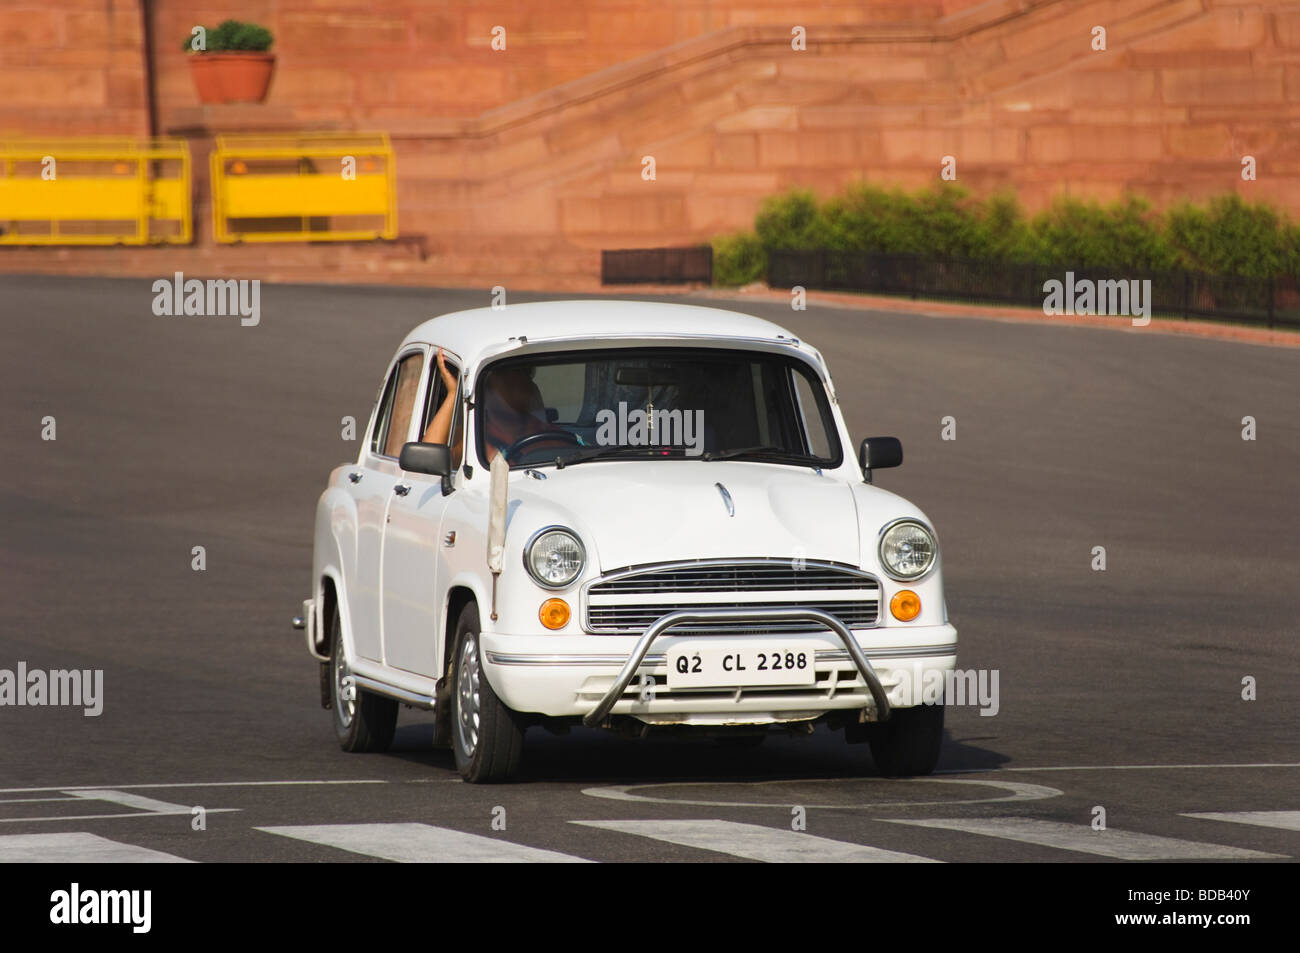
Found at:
(312, 187)
(94, 192)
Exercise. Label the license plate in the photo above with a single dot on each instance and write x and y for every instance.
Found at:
(734, 665)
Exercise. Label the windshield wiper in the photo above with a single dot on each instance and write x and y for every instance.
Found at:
(762, 453)
(614, 450)
(774, 454)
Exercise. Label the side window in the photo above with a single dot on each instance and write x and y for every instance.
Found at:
(814, 426)
(385, 411)
(394, 419)
(443, 413)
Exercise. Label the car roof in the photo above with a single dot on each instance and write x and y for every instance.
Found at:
(484, 332)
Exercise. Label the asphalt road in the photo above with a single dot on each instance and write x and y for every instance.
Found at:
(1119, 689)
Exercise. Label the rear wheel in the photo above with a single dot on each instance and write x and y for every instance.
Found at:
(362, 721)
(487, 737)
(908, 743)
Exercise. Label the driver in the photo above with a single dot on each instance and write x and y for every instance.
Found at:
(513, 408)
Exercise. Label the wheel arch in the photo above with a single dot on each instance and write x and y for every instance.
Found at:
(333, 557)
(331, 598)
(458, 597)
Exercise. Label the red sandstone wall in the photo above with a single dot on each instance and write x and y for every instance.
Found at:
(375, 62)
(1185, 88)
(71, 67)
(74, 67)
(509, 159)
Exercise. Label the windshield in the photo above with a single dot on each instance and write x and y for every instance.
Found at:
(662, 404)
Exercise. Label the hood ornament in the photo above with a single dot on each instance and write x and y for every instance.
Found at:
(726, 499)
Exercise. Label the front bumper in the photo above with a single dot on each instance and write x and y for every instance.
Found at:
(595, 676)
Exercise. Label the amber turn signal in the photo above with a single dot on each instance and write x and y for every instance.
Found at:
(554, 613)
(906, 605)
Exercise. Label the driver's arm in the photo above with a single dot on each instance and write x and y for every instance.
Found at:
(439, 428)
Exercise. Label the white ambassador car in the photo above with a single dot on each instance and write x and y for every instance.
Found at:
(627, 515)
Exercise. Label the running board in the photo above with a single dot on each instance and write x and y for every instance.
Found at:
(416, 699)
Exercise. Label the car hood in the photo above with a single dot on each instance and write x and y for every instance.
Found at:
(633, 513)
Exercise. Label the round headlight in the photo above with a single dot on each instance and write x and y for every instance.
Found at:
(554, 557)
(907, 550)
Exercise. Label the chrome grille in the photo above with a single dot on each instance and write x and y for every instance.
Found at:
(627, 602)
(778, 577)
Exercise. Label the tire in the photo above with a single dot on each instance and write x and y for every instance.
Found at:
(487, 737)
(908, 744)
(368, 722)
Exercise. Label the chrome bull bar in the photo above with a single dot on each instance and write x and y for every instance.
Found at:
(594, 717)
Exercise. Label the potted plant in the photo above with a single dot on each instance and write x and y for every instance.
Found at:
(231, 63)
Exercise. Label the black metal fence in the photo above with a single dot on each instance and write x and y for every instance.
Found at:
(660, 266)
(1271, 301)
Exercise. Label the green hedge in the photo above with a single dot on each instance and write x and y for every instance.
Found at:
(1228, 236)
(738, 260)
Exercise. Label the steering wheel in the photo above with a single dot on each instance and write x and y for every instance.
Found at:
(542, 437)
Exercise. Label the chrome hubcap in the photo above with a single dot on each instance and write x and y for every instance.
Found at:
(344, 690)
(467, 702)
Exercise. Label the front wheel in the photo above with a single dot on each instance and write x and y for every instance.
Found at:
(487, 737)
(362, 721)
(908, 744)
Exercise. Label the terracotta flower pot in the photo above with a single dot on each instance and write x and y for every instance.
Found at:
(232, 77)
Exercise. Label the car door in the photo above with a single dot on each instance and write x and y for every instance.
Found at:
(370, 484)
(412, 592)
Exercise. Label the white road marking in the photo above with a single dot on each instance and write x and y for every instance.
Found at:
(96, 817)
(34, 800)
(1284, 820)
(421, 843)
(1019, 791)
(1123, 845)
(136, 801)
(147, 805)
(755, 842)
(253, 784)
(456, 780)
(77, 847)
(191, 784)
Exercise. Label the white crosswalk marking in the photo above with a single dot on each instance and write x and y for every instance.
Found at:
(755, 842)
(425, 843)
(1123, 845)
(77, 847)
(421, 843)
(1285, 820)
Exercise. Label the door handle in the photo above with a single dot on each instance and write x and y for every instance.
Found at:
(402, 489)
(355, 477)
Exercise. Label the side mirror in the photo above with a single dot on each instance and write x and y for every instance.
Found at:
(879, 453)
(431, 458)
